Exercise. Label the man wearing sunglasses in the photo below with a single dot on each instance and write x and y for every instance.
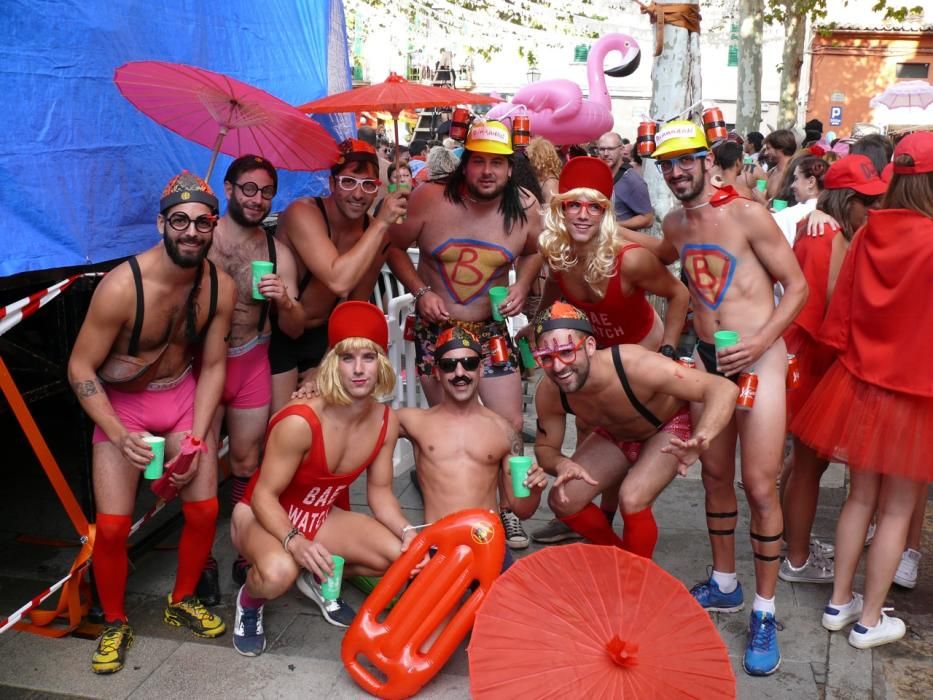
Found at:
(732, 254)
(462, 448)
(249, 185)
(155, 312)
(339, 250)
(639, 401)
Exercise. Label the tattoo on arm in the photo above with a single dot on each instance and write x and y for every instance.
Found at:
(86, 388)
(515, 441)
(541, 428)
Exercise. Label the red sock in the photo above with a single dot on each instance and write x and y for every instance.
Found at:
(110, 563)
(197, 536)
(591, 523)
(640, 533)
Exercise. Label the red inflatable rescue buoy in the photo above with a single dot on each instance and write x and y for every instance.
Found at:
(470, 547)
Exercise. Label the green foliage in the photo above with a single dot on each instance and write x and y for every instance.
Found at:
(776, 11)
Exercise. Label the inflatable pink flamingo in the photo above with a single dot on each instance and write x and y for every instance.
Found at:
(557, 109)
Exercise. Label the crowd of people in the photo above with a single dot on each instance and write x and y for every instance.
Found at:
(825, 306)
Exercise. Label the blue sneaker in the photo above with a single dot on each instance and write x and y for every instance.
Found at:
(248, 636)
(708, 595)
(762, 655)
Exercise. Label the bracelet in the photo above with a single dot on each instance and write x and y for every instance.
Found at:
(668, 351)
(421, 292)
(406, 529)
(292, 534)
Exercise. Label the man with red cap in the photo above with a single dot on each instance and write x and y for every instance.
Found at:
(639, 402)
(594, 268)
(339, 250)
(131, 368)
(286, 525)
(462, 448)
(470, 232)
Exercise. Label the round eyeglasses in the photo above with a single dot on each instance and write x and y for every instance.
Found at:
(181, 221)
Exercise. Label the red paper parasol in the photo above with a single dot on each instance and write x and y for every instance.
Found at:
(206, 107)
(594, 622)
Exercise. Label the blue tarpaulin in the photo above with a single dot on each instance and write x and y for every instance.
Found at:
(81, 167)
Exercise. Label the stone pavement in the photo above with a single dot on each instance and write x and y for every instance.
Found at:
(303, 658)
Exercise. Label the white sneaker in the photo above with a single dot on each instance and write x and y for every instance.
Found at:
(888, 629)
(816, 569)
(835, 617)
(906, 574)
(870, 535)
(825, 548)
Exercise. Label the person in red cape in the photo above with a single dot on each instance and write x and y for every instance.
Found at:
(286, 525)
(874, 408)
(851, 186)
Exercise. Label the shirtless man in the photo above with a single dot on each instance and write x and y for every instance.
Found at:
(469, 233)
(286, 525)
(249, 185)
(160, 307)
(338, 250)
(639, 400)
(462, 448)
(779, 147)
(733, 252)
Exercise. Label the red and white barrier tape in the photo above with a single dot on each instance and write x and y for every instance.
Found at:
(12, 314)
(35, 602)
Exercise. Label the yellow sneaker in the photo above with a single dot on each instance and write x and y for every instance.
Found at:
(192, 614)
(111, 648)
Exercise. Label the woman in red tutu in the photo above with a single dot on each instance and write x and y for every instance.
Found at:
(851, 186)
(874, 408)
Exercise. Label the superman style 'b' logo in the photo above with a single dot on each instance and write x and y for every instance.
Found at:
(710, 269)
(468, 266)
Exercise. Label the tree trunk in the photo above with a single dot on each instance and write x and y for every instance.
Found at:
(748, 94)
(795, 28)
(675, 85)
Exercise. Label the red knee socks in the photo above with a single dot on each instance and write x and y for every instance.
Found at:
(640, 533)
(110, 563)
(591, 523)
(197, 536)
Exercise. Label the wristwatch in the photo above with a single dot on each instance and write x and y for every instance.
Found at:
(668, 351)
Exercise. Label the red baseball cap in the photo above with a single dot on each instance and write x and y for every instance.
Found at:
(358, 319)
(854, 172)
(919, 146)
(586, 171)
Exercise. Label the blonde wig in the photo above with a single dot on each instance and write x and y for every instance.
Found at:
(557, 248)
(543, 158)
(329, 385)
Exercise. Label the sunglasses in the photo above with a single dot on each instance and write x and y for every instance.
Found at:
(181, 221)
(566, 352)
(349, 183)
(449, 364)
(592, 208)
(686, 162)
(251, 188)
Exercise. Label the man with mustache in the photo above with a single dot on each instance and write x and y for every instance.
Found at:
(462, 448)
(156, 312)
(732, 254)
(469, 232)
(249, 185)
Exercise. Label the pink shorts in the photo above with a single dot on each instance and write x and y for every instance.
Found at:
(249, 379)
(680, 425)
(161, 408)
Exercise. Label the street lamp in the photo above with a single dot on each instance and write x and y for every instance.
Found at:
(534, 75)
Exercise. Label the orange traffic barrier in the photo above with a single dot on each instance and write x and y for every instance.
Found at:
(441, 601)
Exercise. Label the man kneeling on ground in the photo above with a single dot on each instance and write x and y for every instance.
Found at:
(286, 525)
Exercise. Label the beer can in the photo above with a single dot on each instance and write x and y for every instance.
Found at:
(714, 125)
(748, 387)
(498, 350)
(644, 142)
(687, 362)
(459, 121)
(793, 372)
(521, 131)
(408, 333)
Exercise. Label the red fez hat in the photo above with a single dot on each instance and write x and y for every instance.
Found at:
(586, 171)
(358, 319)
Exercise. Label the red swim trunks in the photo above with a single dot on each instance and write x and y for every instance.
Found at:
(680, 425)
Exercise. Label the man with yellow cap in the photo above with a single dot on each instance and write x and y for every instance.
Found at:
(732, 253)
(470, 231)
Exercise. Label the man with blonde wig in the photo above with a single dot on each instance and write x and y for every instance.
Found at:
(286, 525)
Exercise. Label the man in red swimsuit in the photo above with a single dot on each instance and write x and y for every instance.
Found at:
(286, 525)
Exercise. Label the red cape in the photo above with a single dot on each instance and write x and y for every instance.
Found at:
(813, 253)
(879, 317)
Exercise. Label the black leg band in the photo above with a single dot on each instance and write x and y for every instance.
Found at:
(766, 538)
(733, 514)
(722, 532)
(762, 557)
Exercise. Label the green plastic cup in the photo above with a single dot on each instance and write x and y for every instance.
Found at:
(762, 185)
(519, 467)
(528, 360)
(496, 296)
(154, 468)
(260, 268)
(779, 204)
(725, 339)
(330, 588)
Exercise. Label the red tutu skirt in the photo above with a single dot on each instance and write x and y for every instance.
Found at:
(868, 427)
(813, 359)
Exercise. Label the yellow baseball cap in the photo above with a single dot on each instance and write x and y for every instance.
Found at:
(678, 137)
(489, 137)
